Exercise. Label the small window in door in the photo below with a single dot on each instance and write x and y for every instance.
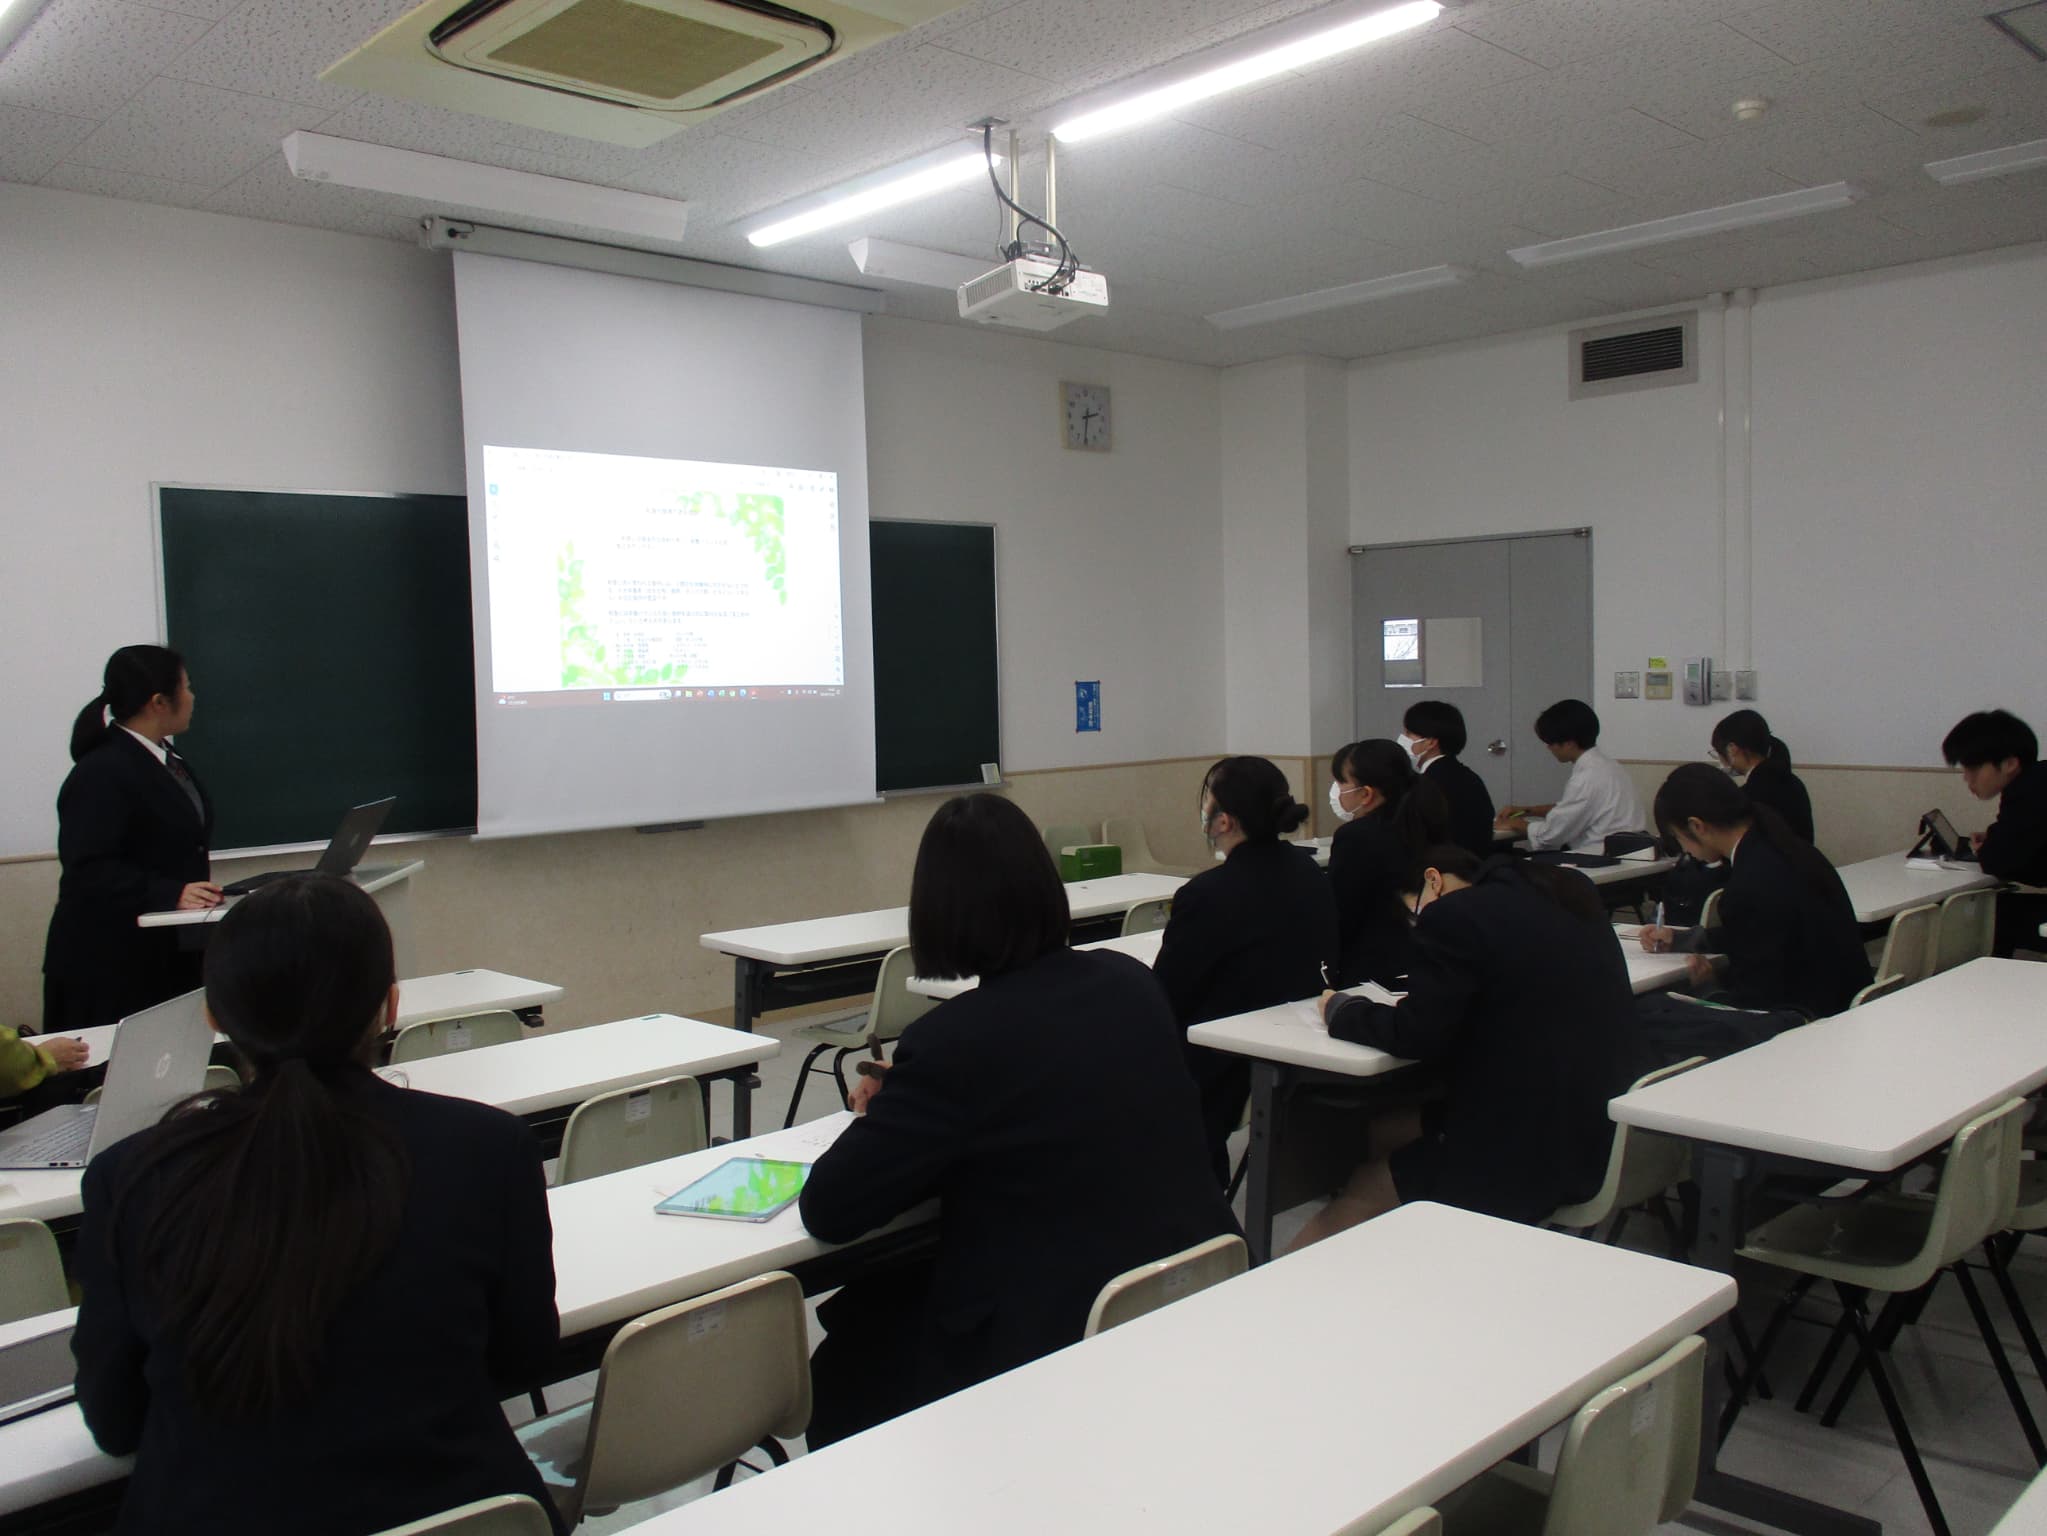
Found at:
(1432, 653)
(1402, 656)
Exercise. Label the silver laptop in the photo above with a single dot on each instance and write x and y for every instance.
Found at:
(159, 1057)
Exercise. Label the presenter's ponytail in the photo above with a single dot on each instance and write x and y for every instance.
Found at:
(135, 674)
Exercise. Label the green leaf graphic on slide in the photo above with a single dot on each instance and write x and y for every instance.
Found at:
(586, 660)
(767, 1184)
(760, 519)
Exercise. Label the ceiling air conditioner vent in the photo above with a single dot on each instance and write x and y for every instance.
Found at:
(625, 71)
(1607, 360)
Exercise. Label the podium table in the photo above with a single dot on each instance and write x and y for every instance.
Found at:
(390, 885)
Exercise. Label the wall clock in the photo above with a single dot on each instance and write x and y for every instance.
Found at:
(1084, 416)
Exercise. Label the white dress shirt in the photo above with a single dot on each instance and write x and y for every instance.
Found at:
(155, 747)
(1599, 800)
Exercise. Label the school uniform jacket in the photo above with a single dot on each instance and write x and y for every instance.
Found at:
(1050, 1115)
(406, 1419)
(1527, 1012)
(2015, 847)
(1368, 862)
(1253, 931)
(1771, 782)
(1470, 802)
(129, 841)
(1787, 945)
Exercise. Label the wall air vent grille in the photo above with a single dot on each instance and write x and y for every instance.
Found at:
(1611, 359)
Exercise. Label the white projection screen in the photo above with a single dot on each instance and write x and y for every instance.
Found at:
(668, 550)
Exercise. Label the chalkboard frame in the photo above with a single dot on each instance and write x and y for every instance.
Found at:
(951, 786)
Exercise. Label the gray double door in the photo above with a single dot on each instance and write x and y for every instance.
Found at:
(1502, 628)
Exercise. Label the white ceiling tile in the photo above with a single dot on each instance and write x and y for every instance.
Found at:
(1540, 105)
(185, 132)
(88, 57)
(1549, 205)
(1069, 40)
(2013, 102)
(2003, 211)
(1553, 35)
(271, 192)
(277, 48)
(1697, 174)
(31, 142)
(211, 10)
(1179, 155)
(140, 189)
(1805, 30)
(1705, 51)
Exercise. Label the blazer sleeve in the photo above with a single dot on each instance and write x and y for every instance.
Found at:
(113, 1392)
(2016, 843)
(524, 1325)
(1186, 956)
(1567, 819)
(1760, 930)
(94, 810)
(896, 1156)
(1426, 1024)
(22, 1065)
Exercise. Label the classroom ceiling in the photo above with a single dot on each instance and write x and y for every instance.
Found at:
(1500, 124)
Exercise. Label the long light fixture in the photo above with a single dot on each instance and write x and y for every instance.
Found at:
(465, 184)
(1392, 286)
(15, 19)
(1687, 226)
(905, 183)
(895, 262)
(2007, 161)
(1302, 45)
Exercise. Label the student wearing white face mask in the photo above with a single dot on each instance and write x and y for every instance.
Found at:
(1433, 734)
(1390, 814)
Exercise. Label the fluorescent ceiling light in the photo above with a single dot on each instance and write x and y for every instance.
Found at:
(15, 19)
(891, 188)
(1338, 298)
(895, 262)
(1687, 226)
(1280, 58)
(1991, 162)
(465, 184)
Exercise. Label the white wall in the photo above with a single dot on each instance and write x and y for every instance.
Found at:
(1898, 456)
(1264, 621)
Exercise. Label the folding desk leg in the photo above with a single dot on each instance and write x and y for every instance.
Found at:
(749, 982)
(743, 1084)
(1258, 1180)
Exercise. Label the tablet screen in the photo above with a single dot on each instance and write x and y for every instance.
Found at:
(1944, 829)
(740, 1189)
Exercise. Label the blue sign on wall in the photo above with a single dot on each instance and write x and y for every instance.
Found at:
(1087, 706)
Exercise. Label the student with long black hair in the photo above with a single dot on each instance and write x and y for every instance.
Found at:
(1390, 814)
(1257, 929)
(133, 825)
(1015, 1106)
(1792, 949)
(304, 1301)
(1743, 742)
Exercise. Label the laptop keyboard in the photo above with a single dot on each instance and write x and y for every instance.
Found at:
(65, 1142)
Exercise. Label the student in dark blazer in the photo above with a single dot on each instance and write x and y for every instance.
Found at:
(1520, 997)
(1743, 742)
(1787, 928)
(1256, 930)
(1390, 814)
(304, 1301)
(1049, 1113)
(133, 825)
(2000, 760)
(1432, 731)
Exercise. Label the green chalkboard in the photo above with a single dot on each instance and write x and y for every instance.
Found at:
(328, 639)
(937, 715)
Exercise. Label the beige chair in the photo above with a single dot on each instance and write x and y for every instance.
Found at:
(443, 1037)
(894, 1009)
(1151, 1286)
(1629, 1462)
(1423, 1522)
(1147, 916)
(1069, 834)
(1967, 930)
(1641, 1166)
(31, 1273)
(1709, 911)
(219, 1079)
(1898, 1245)
(1877, 989)
(509, 1514)
(633, 1126)
(683, 1392)
(1909, 946)
(1127, 833)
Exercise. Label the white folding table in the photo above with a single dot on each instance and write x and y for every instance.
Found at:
(1331, 1391)
(1141, 947)
(1881, 888)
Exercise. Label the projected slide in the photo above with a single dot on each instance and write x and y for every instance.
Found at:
(623, 579)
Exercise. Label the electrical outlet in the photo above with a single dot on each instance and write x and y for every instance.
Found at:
(1627, 685)
(1723, 687)
(1745, 683)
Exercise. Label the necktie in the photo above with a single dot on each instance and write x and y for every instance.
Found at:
(176, 764)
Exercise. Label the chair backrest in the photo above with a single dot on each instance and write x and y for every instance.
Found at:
(1068, 834)
(1423, 1522)
(1151, 1286)
(443, 1037)
(222, 1079)
(1908, 947)
(1127, 833)
(691, 1387)
(1148, 916)
(508, 1514)
(1709, 910)
(31, 1273)
(1639, 1164)
(1631, 1456)
(1978, 1190)
(1877, 989)
(1967, 929)
(631, 1126)
(895, 1006)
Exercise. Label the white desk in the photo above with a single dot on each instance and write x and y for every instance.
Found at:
(1881, 888)
(2028, 1517)
(1865, 1092)
(1628, 869)
(1250, 1406)
(839, 956)
(530, 1076)
(421, 1000)
(391, 885)
(1141, 947)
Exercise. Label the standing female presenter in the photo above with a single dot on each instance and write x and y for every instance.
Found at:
(132, 832)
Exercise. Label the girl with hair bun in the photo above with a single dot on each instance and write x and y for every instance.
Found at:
(1258, 929)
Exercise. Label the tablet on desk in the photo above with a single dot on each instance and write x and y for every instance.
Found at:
(740, 1189)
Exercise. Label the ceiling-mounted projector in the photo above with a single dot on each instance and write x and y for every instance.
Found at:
(1024, 296)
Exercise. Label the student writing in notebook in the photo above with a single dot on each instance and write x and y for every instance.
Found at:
(1598, 800)
(1389, 815)
(1999, 759)
(1433, 733)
